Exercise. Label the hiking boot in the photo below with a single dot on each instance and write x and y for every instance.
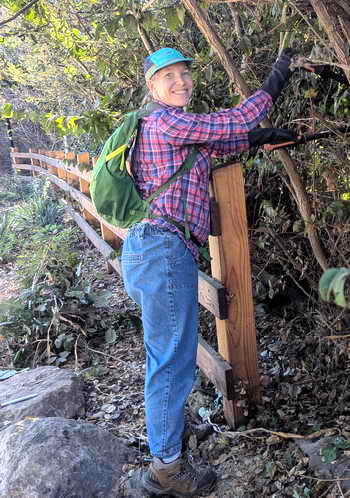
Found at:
(178, 478)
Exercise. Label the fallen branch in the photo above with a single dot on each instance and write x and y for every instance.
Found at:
(282, 435)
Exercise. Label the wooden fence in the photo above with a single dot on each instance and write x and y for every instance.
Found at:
(227, 294)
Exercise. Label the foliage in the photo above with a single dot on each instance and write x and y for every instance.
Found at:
(332, 286)
(14, 188)
(58, 312)
(48, 255)
(7, 239)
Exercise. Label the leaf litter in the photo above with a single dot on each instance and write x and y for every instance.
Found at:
(304, 397)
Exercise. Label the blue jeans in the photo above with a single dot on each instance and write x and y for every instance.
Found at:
(161, 275)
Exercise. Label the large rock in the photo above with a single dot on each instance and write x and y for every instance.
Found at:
(58, 458)
(60, 394)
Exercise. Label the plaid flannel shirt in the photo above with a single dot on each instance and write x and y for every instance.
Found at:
(163, 144)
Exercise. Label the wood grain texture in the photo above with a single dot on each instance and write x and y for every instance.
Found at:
(231, 265)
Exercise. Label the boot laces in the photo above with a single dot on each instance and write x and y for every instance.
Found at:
(187, 472)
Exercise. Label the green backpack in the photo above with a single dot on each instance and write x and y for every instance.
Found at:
(112, 188)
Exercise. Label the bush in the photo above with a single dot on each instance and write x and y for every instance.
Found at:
(49, 255)
(8, 239)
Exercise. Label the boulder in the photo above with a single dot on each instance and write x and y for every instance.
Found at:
(60, 394)
(59, 458)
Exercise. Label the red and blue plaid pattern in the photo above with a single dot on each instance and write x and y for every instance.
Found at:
(162, 147)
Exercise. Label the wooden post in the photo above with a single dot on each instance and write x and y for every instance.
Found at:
(71, 179)
(33, 161)
(84, 158)
(51, 169)
(14, 159)
(231, 265)
(112, 240)
(59, 154)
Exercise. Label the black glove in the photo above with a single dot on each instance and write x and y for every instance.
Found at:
(263, 136)
(288, 52)
(326, 73)
(279, 75)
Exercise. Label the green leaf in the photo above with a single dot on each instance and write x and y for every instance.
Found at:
(236, 100)
(149, 20)
(209, 72)
(110, 336)
(102, 298)
(341, 442)
(7, 111)
(172, 18)
(329, 454)
(130, 23)
(331, 286)
(181, 13)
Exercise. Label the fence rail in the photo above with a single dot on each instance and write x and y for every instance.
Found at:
(228, 296)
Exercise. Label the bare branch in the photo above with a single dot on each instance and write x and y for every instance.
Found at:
(21, 11)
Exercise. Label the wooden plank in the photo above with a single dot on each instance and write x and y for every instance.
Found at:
(109, 236)
(105, 249)
(231, 264)
(212, 294)
(217, 370)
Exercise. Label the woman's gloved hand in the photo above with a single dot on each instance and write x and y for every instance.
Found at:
(280, 74)
(263, 136)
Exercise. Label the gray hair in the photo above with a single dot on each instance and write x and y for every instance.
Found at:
(148, 97)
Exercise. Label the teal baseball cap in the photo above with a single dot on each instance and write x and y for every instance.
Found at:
(162, 58)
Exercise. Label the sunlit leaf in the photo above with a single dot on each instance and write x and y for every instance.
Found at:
(331, 286)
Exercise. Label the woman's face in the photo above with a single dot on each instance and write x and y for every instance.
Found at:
(172, 85)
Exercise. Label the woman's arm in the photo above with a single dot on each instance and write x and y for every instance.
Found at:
(231, 125)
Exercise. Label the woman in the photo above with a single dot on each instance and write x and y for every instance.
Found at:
(159, 261)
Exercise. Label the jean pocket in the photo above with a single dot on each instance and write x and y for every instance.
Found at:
(130, 258)
(178, 250)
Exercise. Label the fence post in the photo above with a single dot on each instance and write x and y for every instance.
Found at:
(14, 160)
(61, 173)
(231, 265)
(33, 161)
(71, 179)
(84, 158)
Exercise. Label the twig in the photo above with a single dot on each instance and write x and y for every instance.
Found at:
(341, 492)
(307, 22)
(334, 337)
(148, 5)
(19, 12)
(327, 480)
(76, 353)
(48, 349)
(283, 435)
(74, 325)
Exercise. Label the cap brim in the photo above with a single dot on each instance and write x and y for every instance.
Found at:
(153, 69)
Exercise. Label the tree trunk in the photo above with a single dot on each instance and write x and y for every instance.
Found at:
(297, 186)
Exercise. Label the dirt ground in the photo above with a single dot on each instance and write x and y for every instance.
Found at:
(305, 390)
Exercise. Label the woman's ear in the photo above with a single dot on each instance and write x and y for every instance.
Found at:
(150, 85)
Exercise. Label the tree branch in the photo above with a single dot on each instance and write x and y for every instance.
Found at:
(21, 11)
(300, 194)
